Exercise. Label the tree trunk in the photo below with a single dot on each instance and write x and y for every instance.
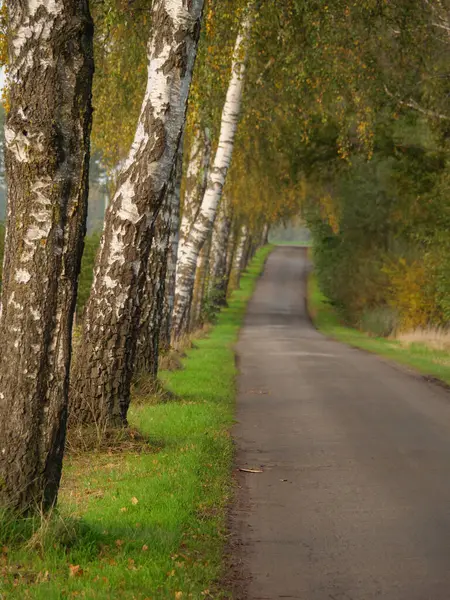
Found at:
(147, 349)
(219, 250)
(249, 251)
(265, 235)
(195, 186)
(103, 372)
(169, 295)
(47, 161)
(231, 252)
(202, 226)
(200, 286)
(152, 309)
(196, 181)
(238, 261)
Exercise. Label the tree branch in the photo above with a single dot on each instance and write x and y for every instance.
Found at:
(417, 107)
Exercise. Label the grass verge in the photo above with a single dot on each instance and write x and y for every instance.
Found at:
(301, 244)
(144, 520)
(429, 362)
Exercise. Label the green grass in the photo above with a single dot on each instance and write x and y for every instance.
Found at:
(141, 525)
(291, 243)
(434, 363)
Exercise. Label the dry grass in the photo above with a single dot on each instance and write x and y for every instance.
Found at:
(172, 360)
(436, 339)
(83, 439)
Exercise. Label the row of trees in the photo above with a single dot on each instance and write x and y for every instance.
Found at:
(323, 95)
(155, 262)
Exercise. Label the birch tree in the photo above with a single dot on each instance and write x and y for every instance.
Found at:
(153, 298)
(239, 256)
(195, 182)
(154, 313)
(219, 249)
(198, 296)
(191, 246)
(103, 373)
(169, 287)
(47, 157)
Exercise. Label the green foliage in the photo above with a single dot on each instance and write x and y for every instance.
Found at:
(381, 321)
(121, 34)
(379, 231)
(212, 302)
(91, 245)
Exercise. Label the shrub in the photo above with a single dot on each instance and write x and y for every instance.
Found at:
(380, 322)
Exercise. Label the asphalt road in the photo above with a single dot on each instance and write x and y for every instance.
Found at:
(354, 499)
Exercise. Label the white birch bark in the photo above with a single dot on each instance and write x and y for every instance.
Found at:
(239, 256)
(47, 161)
(189, 250)
(196, 181)
(218, 256)
(103, 374)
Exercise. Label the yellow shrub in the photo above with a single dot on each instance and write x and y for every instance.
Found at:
(329, 212)
(410, 293)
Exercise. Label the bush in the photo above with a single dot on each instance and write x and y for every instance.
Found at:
(380, 322)
(380, 235)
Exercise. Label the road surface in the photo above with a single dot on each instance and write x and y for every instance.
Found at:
(354, 499)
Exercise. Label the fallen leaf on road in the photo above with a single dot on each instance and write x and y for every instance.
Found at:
(250, 470)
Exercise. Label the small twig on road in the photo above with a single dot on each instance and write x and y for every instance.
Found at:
(250, 470)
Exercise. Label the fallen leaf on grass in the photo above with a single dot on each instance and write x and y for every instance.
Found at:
(250, 470)
(144, 548)
(134, 500)
(75, 571)
(178, 595)
(131, 565)
(45, 576)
